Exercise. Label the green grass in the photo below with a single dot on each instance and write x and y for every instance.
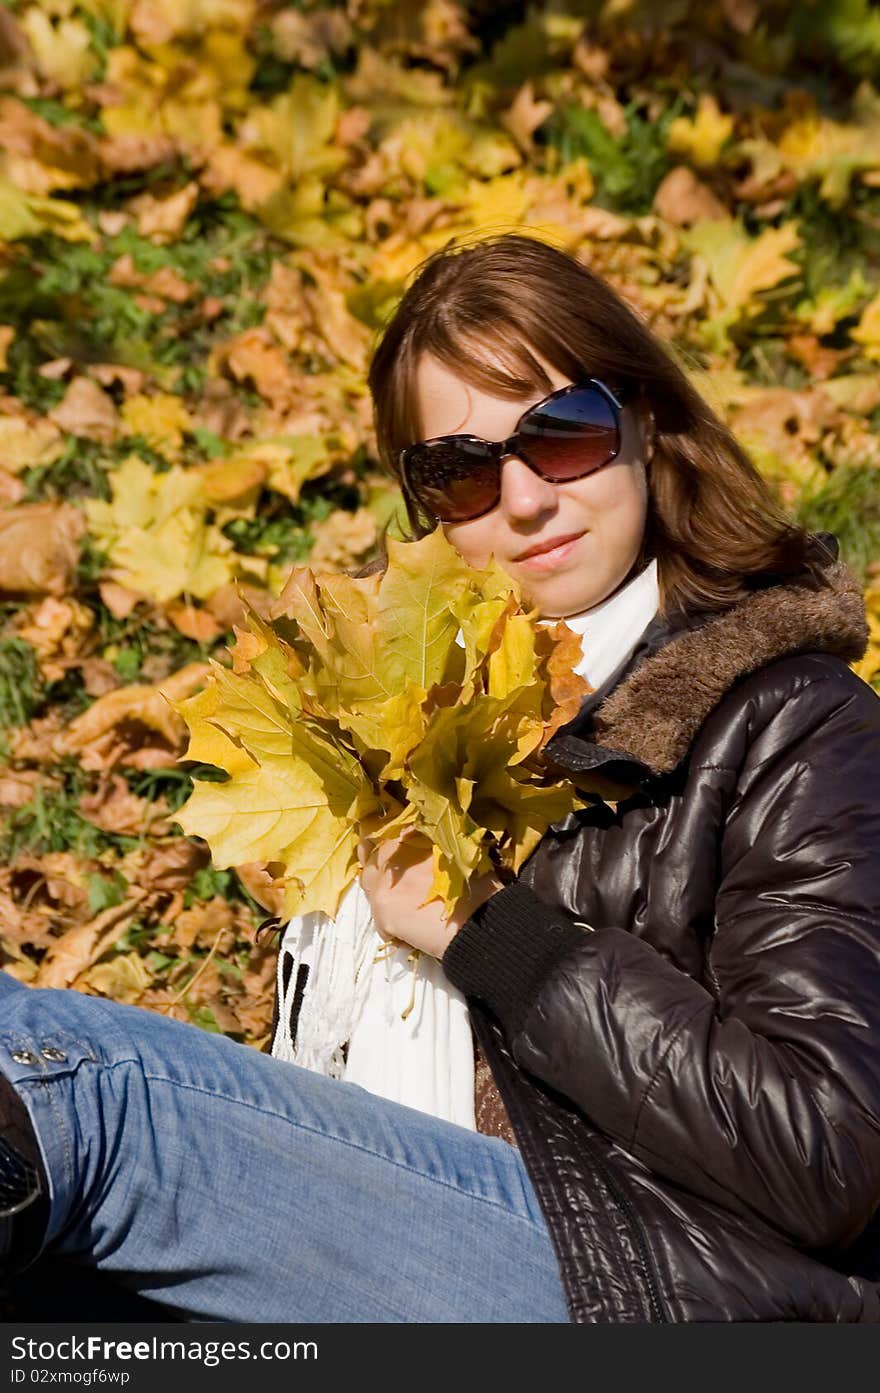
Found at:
(848, 505)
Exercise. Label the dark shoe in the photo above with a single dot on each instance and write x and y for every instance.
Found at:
(24, 1192)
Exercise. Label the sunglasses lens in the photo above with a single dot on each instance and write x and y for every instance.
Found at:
(453, 482)
(572, 435)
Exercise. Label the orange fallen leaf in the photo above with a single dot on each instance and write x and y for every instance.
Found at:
(198, 624)
(118, 598)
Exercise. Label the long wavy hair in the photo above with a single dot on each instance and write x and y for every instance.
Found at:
(713, 523)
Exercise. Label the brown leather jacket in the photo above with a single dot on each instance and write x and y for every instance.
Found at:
(679, 998)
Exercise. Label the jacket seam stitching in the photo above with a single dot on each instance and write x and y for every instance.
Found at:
(827, 909)
(655, 1077)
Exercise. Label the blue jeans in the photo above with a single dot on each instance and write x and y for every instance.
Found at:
(232, 1186)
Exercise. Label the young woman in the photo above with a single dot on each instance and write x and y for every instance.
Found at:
(676, 1003)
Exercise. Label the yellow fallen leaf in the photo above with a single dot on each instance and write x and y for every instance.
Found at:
(27, 215)
(28, 441)
(63, 51)
(161, 419)
(157, 534)
(702, 136)
(297, 128)
(867, 331)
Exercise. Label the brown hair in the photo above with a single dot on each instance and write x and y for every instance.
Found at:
(713, 523)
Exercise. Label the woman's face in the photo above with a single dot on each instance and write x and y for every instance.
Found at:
(600, 519)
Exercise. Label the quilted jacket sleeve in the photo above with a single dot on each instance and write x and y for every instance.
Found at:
(763, 1095)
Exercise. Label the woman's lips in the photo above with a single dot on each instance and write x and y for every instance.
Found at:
(549, 560)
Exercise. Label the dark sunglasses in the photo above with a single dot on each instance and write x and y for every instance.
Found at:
(568, 435)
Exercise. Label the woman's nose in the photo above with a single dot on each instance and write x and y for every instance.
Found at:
(524, 494)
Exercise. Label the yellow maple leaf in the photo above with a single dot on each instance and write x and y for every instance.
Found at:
(63, 51)
(161, 419)
(867, 331)
(157, 535)
(423, 693)
(817, 147)
(24, 443)
(740, 267)
(27, 215)
(297, 128)
(701, 136)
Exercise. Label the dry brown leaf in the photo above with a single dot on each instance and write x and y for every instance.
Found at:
(87, 410)
(125, 977)
(228, 604)
(18, 787)
(229, 167)
(56, 629)
(222, 411)
(821, 362)
(682, 198)
(12, 490)
(166, 282)
(114, 808)
(39, 547)
(111, 223)
(267, 889)
(172, 865)
(287, 313)
(345, 338)
(81, 946)
(309, 39)
(98, 676)
(342, 539)
(134, 726)
(56, 369)
(57, 880)
(41, 158)
(198, 624)
(199, 926)
(36, 742)
(252, 357)
(131, 380)
(134, 154)
(118, 598)
(163, 218)
(523, 117)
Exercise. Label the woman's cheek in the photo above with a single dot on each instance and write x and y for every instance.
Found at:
(471, 540)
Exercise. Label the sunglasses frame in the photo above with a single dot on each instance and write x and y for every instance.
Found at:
(616, 397)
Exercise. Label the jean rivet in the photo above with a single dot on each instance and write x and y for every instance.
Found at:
(24, 1057)
(56, 1056)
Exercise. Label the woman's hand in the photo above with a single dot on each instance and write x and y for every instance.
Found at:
(396, 877)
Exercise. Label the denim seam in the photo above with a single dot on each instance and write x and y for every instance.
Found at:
(43, 1087)
(331, 1136)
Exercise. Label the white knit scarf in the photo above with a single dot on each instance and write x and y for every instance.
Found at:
(353, 1022)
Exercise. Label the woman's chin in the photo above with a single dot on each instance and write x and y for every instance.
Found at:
(558, 600)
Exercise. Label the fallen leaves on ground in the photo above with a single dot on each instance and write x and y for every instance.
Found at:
(207, 212)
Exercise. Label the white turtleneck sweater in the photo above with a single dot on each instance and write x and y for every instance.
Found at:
(426, 1060)
(610, 630)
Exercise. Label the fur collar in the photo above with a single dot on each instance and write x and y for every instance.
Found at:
(676, 675)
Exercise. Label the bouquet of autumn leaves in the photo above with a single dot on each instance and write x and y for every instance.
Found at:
(419, 698)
